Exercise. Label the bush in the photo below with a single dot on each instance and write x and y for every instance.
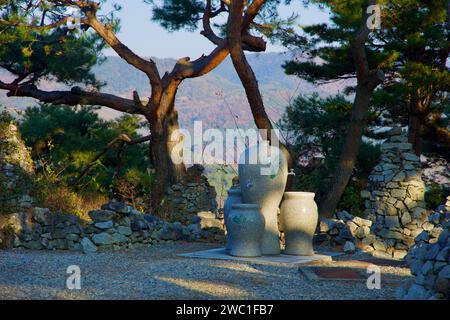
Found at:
(68, 138)
(61, 199)
(435, 195)
(315, 129)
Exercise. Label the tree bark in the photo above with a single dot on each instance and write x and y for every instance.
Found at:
(237, 23)
(367, 81)
(349, 152)
(163, 123)
(160, 110)
(415, 125)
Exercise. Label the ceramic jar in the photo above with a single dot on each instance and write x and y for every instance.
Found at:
(246, 227)
(298, 219)
(234, 196)
(264, 185)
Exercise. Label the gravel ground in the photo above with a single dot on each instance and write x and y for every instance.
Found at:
(157, 273)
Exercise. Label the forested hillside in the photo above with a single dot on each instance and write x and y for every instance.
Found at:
(202, 98)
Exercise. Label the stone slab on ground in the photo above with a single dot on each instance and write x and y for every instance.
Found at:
(333, 273)
(221, 254)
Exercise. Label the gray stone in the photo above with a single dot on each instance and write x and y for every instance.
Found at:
(399, 254)
(398, 193)
(73, 229)
(72, 237)
(410, 157)
(87, 246)
(102, 239)
(443, 254)
(119, 238)
(418, 213)
(391, 234)
(124, 230)
(427, 226)
(442, 285)
(32, 245)
(124, 221)
(58, 234)
(423, 236)
(118, 207)
(42, 215)
(170, 232)
(445, 272)
(406, 218)
(379, 245)
(102, 215)
(104, 225)
(399, 177)
(427, 268)
(417, 292)
(432, 252)
(349, 247)
(392, 222)
(362, 222)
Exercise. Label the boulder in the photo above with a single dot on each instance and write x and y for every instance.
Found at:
(87, 246)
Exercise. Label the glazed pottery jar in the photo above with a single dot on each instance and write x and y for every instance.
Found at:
(246, 227)
(234, 196)
(298, 219)
(264, 185)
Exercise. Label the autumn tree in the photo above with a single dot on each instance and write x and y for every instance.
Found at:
(36, 44)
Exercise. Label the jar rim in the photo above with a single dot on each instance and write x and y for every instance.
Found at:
(299, 194)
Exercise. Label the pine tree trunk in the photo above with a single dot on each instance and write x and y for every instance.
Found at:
(349, 152)
(161, 145)
(415, 126)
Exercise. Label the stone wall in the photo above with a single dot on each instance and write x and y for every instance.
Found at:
(194, 200)
(357, 233)
(191, 196)
(429, 260)
(115, 226)
(16, 173)
(16, 168)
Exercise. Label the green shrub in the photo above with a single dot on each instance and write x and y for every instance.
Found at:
(435, 195)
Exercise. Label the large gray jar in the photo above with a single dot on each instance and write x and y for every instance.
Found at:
(234, 196)
(246, 225)
(298, 219)
(266, 190)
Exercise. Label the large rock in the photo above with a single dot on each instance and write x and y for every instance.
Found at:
(102, 215)
(118, 207)
(102, 239)
(87, 246)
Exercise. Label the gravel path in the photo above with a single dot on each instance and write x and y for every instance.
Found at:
(157, 273)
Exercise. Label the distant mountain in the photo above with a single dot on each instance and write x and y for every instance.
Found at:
(217, 98)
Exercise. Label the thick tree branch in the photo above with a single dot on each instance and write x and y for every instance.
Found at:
(243, 68)
(73, 97)
(146, 66)
(251, 13)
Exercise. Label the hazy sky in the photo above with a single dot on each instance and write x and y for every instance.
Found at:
(148, 39)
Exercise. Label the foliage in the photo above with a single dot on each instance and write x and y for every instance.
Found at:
(314, 128)
(64, 140)
(411, 48)
(435, 195)
(52, 53)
